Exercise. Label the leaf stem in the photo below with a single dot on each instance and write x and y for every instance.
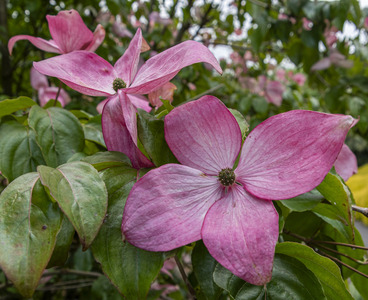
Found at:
(70, 271)
(58, 93)
(185, 278)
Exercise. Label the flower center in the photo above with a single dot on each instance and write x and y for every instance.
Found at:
(226, 177)
(118, 84)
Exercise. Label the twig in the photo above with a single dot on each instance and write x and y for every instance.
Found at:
(71, 287)
(342, 263)
(58, 93)
(362, 210)
(185, 278)
(70, 271)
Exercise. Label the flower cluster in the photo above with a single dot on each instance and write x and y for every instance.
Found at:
(222, 191)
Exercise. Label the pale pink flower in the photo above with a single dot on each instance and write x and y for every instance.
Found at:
(46, 92)
(346, 164)
(231, 210)
(155, 17)
(280, 74)
(335, 58)
(192, 86)
(120, 30)
(238, 31)
(69, 33)
(307, 24)
(272, 90)
(330, 35)
(299, 78)
(366, 23)
(91, 75)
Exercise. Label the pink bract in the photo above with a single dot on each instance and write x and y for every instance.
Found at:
(69, 33)
(80, 69)
(346, 164)
(173, 205)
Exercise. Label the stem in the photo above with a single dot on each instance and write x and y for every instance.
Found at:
(362, 210)
(342, 263)
(70, 271)
(185, 278)
(209, 91)
(58, 93)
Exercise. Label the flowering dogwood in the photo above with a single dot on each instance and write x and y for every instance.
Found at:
(69, 33)
(346, 164)
(228, 206)
(90, 74)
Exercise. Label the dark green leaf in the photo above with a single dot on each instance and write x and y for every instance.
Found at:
(81, 194)
(19, 152)
(10, 106)
(58, 133)
(303, 202)
(204, 265)
(291, 279)
(327, 272)
(29, 223)
(108, 159)
(130, 269)
(152, 136)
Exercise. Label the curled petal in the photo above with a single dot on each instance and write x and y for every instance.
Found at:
(38, 80)
(83, 71)
(69, 31)
(162, 67)
(42, 44)
(346, 163)
(203, 134)
(116, 134)
(140, 101)
(98, 38)
(127, 65)
(165, 92)
(48, 93)
(101, 105)
(240, 232)
(290, 153)
(166, 207)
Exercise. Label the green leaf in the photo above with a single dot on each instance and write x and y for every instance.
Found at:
(203, 266)
(10, 106)
(327, 272)
(338, 194)
(19, 152)
(152, 136)
(58, 133)
(93, 131)
(28, 228)
(108, 159)
(243, 124)
(290, 280)
(63, 241)
(303, 202)
(81, 194)
(52, 103)
(130, 269)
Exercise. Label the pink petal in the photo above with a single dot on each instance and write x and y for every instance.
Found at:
(290, 153)
(101, 105)
(346, 163)
(166, 207)
(69, 31)
(42, 44)
(203, 134)
(274, 91)
(322, 64)
(140, 101)
(165, 92)
(127, 65)
(240, 232)
(116, 134)
(48, 93)
(83, 71)
(38, 80)
(98, 38)
(162, 67)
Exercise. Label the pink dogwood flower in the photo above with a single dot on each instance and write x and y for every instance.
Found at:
(89, 74)
(231, 210)
(271, 89)
(45, 91)
(165, 92)
(69, 33)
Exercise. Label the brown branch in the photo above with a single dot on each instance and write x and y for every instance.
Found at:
(362, 210)
(70, 271)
